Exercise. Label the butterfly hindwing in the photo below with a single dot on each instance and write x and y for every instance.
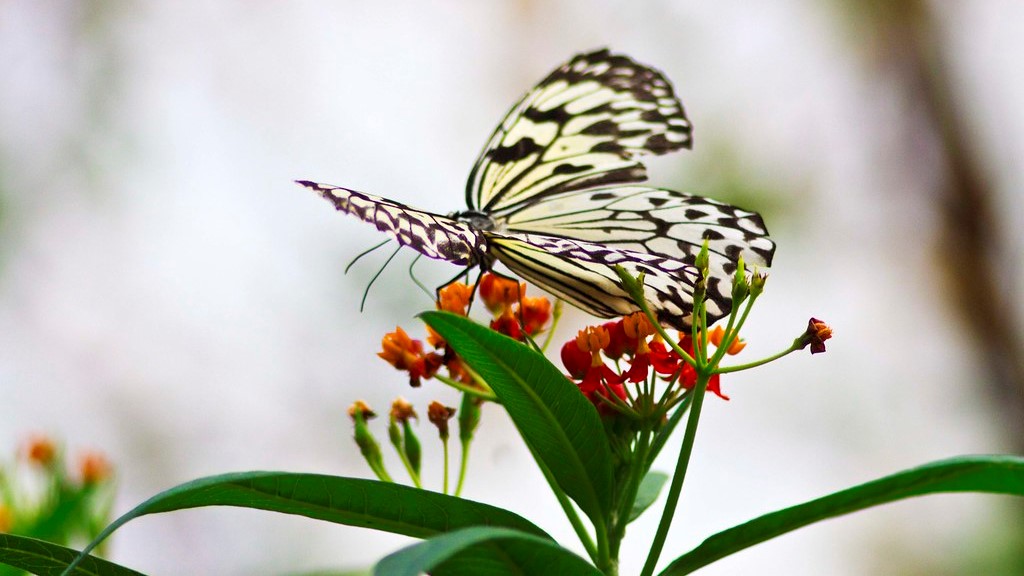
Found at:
(433, 235)
(583, 274)
(581, 127)
(653, 221)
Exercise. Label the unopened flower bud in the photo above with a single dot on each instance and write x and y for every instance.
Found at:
(411, 446)
(40, 450)
(439, 415)
(94, 468)
(401, 410)
(740, 286)
(360, 413)
(815, 335)
(360, 409)
(757, 282)
(469, 416)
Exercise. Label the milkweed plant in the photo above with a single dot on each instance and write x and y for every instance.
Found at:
(594, 423)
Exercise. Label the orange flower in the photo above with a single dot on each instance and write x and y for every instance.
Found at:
(40, 450)
(399, 349)
(455, 298)
(638, 327)
(716, 336)
(593, 339)
(407, 354)
(94, 468)
(535, 313)
(499, 293)
(434, 339)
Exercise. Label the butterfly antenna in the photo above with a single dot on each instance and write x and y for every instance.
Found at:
(417, 280)
(364, 253)
(366, 292)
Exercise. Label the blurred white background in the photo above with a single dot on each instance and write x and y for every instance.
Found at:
(169, 296)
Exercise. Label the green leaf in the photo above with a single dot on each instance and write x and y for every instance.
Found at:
(352, 501)
(558, 422)
(650, 487)
(491, 551)
(992, 474)
(42, 557)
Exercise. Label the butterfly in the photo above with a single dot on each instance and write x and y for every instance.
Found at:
(553, 197)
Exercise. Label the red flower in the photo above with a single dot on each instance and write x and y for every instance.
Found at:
(535, 313)
(575, 359)
(664, 359)
(619, 343)
(582, 357)
(602, 380)
(639, 368)
(507, 324)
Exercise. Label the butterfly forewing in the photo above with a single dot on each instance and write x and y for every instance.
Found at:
(581, 127)
(432, 235)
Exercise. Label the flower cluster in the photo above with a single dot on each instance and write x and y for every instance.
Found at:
(41, 497)
(632, 340)
(513, 314)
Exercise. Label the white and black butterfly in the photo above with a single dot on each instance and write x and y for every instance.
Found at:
(550, 198)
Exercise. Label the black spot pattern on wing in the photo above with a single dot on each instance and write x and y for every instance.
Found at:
(548, 198)
(581, 127)
(653, 221)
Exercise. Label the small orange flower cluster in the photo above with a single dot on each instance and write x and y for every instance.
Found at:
(45, 495)
(634, 339)
(515, 315)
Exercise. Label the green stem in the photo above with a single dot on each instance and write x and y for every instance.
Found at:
(444, 442)
(556, 315)
(680, 473)
(667, 429)
(605, 563)
(408, 467)
(489, 396)
(636, 473)
(570, 512)
(772, 358)
(463, 460)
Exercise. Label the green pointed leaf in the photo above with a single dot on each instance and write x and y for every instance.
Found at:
(558, 422)
(42, 557)
(491, 551)
(650, 487)
(352, 501)
(991, 474)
